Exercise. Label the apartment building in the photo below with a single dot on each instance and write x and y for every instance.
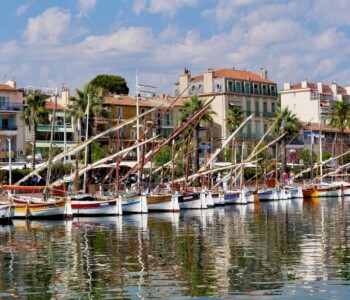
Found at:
(254, 94)
(312, 103)
(12, 130)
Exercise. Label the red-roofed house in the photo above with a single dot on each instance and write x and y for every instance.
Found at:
(11, 126)
(312, 101)
(255, 94)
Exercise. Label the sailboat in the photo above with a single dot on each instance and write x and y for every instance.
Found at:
(42, 205)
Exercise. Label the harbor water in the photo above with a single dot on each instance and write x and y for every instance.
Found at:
(275, 250)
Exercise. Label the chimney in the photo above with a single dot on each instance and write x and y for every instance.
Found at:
(208, 82)
(334, 89)
(286, 86)
(65, 96)
(263, 73)
(320, 86)
(347, 88)
(184, 81)
(304, 84)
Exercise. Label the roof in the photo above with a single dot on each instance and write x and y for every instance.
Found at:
(324, 128)
(325, 87)
(125, 100)
(235, 74)
(49, 105)
(5, 87)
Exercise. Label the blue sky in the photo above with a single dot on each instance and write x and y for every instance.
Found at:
(48, 43)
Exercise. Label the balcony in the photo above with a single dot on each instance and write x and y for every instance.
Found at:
(8, 130)
(10, 107)
(57, 128)
(267, 114)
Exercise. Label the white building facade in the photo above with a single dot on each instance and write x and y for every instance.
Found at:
(254, 94)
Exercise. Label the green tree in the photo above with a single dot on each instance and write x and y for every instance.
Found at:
(33, 114)
(191, 106)
(234, 118)
(89, 99)
(340, 119)
(286, 122)
(112, 83)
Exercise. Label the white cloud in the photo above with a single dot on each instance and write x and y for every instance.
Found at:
(162, 6)
(23, 8)
(139, 5)
(86, 6)
(49, 27)
(125, 41)
(280, 31)
(333, 13)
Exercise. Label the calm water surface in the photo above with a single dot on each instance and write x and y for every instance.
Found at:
(286, 249)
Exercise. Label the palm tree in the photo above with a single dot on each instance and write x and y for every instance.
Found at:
(339, 118)
(34, 113)
(234, 118)
(191, 106)
(88, 99)
(285, 122)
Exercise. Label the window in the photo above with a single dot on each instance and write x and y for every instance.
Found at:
(257, 108)
(168, 120)
(273, 109)
(2, 101)
(265, 128)
(238, 87)
(264, 89)
(256, 88)
(230, 86)
(257, 129)
(273, 90)
(265, 107)
(248, 108)
(247, 88)
(119, 112)
(315, 96)
(249, 128)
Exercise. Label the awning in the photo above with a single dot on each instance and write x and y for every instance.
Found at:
(55, 144)
(315, 134)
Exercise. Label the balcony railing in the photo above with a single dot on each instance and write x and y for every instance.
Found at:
(11, 107)
(8, 127)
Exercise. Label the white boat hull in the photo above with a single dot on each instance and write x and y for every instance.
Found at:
(7, 212)
(331, 191)
(133, 204)
(235, 197)
(192, 201)
(249, 196)
(267, 194)
(296, 192)
(40, 209)
(208, 198)
(163, 203)
(97, 208)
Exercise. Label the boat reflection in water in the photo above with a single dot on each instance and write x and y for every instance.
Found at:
(287, 248)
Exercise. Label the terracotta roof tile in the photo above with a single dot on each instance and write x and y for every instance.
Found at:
(123, 100)
(4, 87)
(235, 74)
(50, 105)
